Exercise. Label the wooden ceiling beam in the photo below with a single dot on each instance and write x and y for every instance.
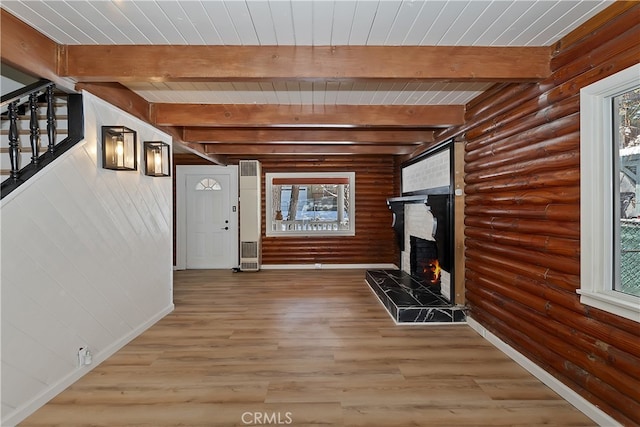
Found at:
(247, 63)
(29, 51)
(273, 115)
(271, 135)
(120, 96)
(250, 149)
(200, 150)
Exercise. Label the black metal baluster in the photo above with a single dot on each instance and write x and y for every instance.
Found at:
(51, 120)
(14, 146)
(34, 130)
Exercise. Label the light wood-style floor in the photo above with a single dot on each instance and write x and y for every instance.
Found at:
(301, 348)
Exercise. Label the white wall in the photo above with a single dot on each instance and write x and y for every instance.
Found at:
(86, 261)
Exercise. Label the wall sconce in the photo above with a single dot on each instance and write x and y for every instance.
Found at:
(157, 161)
(119, 148)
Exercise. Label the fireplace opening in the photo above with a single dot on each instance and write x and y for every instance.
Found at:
(423, 259)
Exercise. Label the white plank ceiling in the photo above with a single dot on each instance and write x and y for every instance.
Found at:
(308, 23)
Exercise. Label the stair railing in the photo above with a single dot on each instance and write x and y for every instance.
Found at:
(28, 96)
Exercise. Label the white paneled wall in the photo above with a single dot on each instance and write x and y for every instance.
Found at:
(86, 261)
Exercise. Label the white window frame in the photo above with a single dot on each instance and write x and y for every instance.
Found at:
(323, 233)
(596, 194)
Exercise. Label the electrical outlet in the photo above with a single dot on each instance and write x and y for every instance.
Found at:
(84, 357)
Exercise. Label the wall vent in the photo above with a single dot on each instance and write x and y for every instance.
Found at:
(249, 266)
(249, 168)
(249, 249)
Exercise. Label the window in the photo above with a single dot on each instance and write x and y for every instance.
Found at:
(610, 219)
(208, 184)
(310, 204)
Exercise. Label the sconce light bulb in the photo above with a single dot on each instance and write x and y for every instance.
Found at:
(119, 147)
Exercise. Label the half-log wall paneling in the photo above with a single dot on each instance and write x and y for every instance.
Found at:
(377, 177)
(374, 242)
(522, 223)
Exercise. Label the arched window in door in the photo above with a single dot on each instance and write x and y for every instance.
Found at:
(208, 184)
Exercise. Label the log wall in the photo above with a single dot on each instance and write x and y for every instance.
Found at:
(522, 219)
(377, 178)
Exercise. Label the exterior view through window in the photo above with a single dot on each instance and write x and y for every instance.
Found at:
(626, 137)
(317, 204)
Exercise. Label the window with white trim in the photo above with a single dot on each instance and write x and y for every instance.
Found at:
(609, 188)
(310, 204)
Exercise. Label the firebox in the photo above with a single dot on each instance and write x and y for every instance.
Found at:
(438, 247)
(424, 264)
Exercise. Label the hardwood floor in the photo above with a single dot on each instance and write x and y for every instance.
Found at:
(301, 348)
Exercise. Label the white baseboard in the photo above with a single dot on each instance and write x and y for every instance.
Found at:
(327, 266)
(579, 402)
(40, 400)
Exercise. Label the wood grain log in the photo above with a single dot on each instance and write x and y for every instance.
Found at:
(529, 116)
(374, 241)
(593, 74)
(570, 230)
(562, 85)
(549, 179)
(482, 110)
(612, 320)
(542, 243)
(597, 391)
(495, 143)
(539, 287)
(556, 263)
(497, 267)
(527, 321)
(542, 149)
(558, 161)
(559, 89)
(624, 341)
(539, 273)
(522, 344)
(490, 97)
(552, 212)
(488, 107)
(562, 93)
(538, 196)
(588, 27)
(532, 308)
(569, 50)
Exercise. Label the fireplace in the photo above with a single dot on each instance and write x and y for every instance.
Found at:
(424, 264)
(422, 289)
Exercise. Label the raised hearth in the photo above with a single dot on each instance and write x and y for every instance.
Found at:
(409, 301)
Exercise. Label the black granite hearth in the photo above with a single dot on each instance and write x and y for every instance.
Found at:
(409, 301)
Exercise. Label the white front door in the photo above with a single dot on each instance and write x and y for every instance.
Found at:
(210, 223)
